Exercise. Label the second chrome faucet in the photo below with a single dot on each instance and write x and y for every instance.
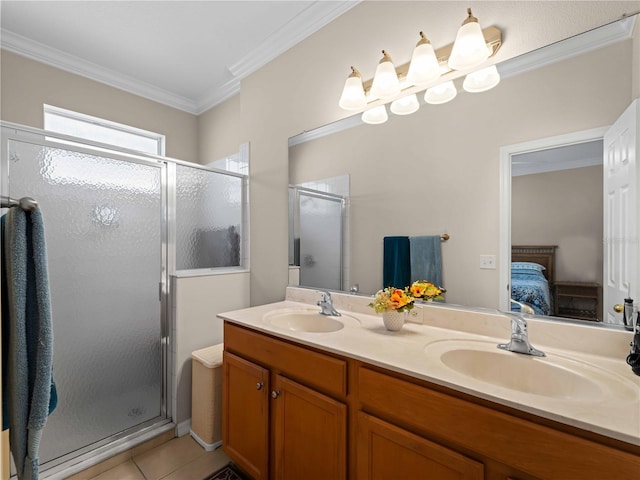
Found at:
(326, 305)
(519, 342)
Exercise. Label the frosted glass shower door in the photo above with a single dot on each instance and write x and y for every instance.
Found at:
(320, 241)
(104, 229)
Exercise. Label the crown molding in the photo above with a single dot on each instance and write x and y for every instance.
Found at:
(311, 19)
(570, 47)
(325, 130)
(42, 53)
(304, 24)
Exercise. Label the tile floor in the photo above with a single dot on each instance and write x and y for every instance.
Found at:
(176, 459)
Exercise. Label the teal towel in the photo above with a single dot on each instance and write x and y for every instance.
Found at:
(30, 345)
(426, 259)
(396, 269)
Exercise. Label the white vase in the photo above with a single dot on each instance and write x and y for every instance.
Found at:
(393, 320)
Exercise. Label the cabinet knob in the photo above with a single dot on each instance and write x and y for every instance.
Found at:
(618, 308)
(259, 385)
(275, 393)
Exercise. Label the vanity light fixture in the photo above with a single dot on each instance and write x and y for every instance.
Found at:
(353, 97)
(482, 80)
(424, 67)
(375, 115)
(405, 105)
(443, 93)
(385, 82)
(470, 48)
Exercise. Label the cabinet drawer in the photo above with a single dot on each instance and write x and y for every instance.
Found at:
(536, 449)
(310, 368)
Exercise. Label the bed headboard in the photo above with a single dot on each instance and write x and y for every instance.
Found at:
(545, 255)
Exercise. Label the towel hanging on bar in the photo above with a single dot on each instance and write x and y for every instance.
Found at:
(27, 204)
(29, 355)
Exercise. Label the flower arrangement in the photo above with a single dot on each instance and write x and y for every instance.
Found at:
(426, 291)
(392, 298)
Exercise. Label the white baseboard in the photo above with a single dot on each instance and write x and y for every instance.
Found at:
(207, 446)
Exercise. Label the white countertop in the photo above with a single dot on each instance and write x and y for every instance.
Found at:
(616, 414)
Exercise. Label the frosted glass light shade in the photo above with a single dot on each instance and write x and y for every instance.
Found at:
(424, 67)
(385, 81)
(405, 105)
(470, 48)
(375, 115)
(353, 97)
(482, 80)
(442, 93)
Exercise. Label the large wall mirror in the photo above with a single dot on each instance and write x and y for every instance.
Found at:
(438, 171)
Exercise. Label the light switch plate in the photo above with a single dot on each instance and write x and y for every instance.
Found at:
(488, 262)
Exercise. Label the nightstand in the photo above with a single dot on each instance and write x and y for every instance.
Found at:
(581, 300)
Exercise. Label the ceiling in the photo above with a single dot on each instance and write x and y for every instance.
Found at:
(190, 55)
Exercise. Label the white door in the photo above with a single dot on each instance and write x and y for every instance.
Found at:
(620, 213)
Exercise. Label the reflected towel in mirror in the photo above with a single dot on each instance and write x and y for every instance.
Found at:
(426, 258)
(396, 266)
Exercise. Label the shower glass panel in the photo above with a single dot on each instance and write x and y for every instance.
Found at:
(320, 229)
(104, 232)
(209, 213)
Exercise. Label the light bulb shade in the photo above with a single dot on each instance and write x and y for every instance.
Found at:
(405, 105)
(443, 93)
(470, 48)
(424, 67)
(482, 80)
(385, 81)
(353, 97)
(375, 115)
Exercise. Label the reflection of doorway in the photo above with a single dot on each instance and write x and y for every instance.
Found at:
(552, 195)
(619, 217)
(318, 220)
(556, 199)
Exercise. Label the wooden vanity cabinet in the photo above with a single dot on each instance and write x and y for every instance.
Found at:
(245, 417)
(309, 420)
(283, 417)
(389, 452)
(509, 446)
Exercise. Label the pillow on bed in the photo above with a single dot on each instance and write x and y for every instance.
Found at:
(526, 266)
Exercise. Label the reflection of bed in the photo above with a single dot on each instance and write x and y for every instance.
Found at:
(531, 285)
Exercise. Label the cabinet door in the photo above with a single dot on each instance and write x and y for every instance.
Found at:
(310, 433)
(245, 415)
(387, 452)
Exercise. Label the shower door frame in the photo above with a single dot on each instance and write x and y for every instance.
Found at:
(100, 450)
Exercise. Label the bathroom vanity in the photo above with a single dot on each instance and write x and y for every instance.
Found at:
(363, 403)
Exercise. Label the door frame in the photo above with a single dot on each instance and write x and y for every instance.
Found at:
(506, 152)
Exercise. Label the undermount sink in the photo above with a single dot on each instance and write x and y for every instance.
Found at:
(303, 320)
(554, 376)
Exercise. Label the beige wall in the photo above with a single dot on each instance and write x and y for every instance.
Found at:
(27, 85)
(437, 170)
(196, 325)
(562, 208)
(219, 131)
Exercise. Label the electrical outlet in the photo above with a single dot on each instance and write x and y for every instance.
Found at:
(488, 262)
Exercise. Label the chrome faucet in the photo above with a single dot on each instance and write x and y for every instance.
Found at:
(326, 305)
(519, 337)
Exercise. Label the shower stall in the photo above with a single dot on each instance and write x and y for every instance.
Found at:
(110, 225)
